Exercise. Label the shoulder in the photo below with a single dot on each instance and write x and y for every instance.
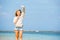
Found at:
(15, 17)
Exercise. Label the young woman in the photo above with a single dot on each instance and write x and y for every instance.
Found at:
(19, 15)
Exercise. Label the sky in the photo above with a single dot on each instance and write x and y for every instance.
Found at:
(43, 15)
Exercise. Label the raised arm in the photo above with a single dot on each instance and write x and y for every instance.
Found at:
(23, 11)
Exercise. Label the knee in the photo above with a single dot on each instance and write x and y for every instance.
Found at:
(17, 36)
(20, 36)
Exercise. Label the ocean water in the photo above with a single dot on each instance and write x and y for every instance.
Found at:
(31, 36)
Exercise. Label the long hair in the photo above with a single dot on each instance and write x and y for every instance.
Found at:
(16, 12)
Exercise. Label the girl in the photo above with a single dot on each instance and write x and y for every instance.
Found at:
(19, 15)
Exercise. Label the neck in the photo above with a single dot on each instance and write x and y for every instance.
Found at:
(18, 15)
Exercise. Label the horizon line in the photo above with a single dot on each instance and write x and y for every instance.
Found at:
(28, 31)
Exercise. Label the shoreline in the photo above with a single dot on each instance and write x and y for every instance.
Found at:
(36, 31)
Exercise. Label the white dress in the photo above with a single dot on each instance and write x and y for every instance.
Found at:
(20, 20)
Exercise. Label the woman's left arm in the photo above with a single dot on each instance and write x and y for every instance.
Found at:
(23, 11)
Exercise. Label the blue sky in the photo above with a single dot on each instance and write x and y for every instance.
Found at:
(43, 15)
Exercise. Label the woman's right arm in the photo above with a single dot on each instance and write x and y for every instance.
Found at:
(15, 20)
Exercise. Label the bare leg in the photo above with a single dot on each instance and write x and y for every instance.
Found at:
(17, 34)
(21, 32)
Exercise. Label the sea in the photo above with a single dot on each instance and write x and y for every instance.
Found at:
(31, 36)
